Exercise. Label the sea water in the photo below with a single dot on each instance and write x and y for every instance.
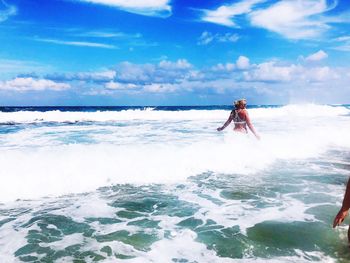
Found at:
(160, 184)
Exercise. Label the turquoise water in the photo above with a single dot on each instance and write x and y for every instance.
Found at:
(164, 196)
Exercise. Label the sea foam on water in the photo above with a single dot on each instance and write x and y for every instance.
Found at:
(135, 146)
(155, 185)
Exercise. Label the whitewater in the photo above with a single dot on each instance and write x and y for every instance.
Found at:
(160, 184)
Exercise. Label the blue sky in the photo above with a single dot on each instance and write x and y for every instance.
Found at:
(179, 52)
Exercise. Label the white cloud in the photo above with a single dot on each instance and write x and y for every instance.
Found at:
(135, 73)
(160, 87)
(98, 76)
(106, 34)
(182, 77)
(179, 64)
(9, 11)
(345, 47)
(319, 74)
(242, 62)
(108, 74)
(343, 38)
(320, 55)
(343, 43)
(77, 43)
(270, 72)
(207, 37)
(224, 67)
(224, 15)
(228, 37)
(30, 84)
(294, 19)
(163, 72)
(159, 8)
(120, 86)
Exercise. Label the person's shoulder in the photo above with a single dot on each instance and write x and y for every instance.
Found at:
(244, 112)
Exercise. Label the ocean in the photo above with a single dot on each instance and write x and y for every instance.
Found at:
(160, 184)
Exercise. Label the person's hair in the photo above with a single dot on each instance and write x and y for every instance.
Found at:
(237, 102)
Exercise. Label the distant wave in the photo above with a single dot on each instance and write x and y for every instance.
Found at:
(309, 110)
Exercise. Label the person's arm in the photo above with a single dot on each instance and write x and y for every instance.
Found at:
(250, 125)
(343, 212)
(230, 118)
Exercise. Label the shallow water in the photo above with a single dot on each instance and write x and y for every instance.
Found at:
(143, 185)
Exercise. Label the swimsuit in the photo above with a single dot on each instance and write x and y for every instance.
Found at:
(240, 124)
(237, 119)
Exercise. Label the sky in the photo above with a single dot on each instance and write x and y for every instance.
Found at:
(173, 52)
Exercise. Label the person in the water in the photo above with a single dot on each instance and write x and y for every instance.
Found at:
(240, 118)
(344, 210)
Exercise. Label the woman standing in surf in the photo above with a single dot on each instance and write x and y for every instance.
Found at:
(240, 118)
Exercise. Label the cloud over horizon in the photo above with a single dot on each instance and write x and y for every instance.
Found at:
(181, 76)
(31, 84)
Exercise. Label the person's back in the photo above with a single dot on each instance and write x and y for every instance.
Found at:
(240, 118)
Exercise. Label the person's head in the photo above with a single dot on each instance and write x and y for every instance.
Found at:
(240, 104)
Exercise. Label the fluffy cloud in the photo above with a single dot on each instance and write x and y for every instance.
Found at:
(168, 76)
(207, 37)
(136, 74)
(161, 88)
(120, 86)
(224, 15)
(301, 19)
(30, 84)
(164, 72)
(179, 64)
(294, 19)
(224, 67)
(242, 62)
(181, 77)
(270, 72)
(143, 7)
(273, 72)
(319, 74)
(320, 55)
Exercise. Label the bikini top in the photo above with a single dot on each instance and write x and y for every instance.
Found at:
(236, 118)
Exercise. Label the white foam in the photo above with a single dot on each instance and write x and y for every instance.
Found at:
(289, 111)
(39, 161)
(300, 111)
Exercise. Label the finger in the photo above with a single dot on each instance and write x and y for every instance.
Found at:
(338, 220)
(335, 223)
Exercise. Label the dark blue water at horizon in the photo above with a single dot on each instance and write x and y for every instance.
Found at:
(121, 108)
